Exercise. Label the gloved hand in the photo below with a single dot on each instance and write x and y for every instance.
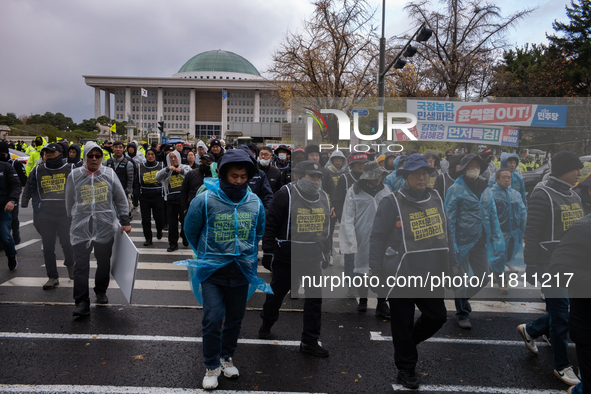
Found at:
(268, 261)
(325, 260)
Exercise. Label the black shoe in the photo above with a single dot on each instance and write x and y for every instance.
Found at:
(383, 310)
(362, 307)
(12, 263)
(70, 271)
(315, 349)
(185, 242)
(408, 379)
(82, 309)
(264, 332)
(159, 234)
(172, 248)
(101, 298)
(148, 242)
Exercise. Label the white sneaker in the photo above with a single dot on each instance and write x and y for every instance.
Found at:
(210, 380)
(530, 343)
(230, 371)
(567, 375)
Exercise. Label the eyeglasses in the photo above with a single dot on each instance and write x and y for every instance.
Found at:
(94, 156)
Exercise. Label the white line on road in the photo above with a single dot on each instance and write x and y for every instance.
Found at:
(155, 266)
(377, 336)
(22, 388)
(182, 285)
(23, 244)
(21, 224)
(144, 338)
(475, 389)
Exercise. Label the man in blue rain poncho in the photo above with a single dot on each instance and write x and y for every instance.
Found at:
(224, 226)
(505, 215)
(462, 206)
(511, 162)
(395, 181)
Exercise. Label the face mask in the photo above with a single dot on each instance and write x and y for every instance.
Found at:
(308, 187)
(472, 174)
(264, 162)
(282, 156)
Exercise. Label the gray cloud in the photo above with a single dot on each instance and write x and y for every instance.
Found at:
(48, 45)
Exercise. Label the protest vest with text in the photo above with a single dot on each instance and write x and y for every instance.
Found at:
(566, 210)
(51, 185)
(147, 179)
(309, 220)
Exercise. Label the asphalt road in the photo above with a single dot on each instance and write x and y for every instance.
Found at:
(154, 344)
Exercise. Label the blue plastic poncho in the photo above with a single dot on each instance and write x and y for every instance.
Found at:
(220, 233)
(394, 181)
(505, 215)
(516, 179)
(464, 215)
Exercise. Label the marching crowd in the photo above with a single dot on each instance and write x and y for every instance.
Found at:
(400, 215)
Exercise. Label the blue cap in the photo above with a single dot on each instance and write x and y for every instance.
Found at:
(414, 162)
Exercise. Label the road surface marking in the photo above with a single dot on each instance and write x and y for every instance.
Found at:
(475, 389)
(23, 244)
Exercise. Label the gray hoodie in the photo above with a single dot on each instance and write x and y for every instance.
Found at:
(163, 176)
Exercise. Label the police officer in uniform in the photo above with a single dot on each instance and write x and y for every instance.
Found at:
(47, 185)
(298, 225)
(149, 191)
(410, 237)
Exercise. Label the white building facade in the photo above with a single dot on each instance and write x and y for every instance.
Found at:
(213, 93)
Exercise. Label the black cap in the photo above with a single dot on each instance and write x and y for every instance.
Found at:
(565, 161)
(208, 157)
(3, 147)
(53, 148)
(312, 149)
(309, 167)
(281, 147)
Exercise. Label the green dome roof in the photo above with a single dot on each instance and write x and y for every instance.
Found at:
(219, 61)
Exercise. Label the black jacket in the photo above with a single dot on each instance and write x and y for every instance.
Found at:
(20, 170)
(539, 225)
(273, 176)
(277, 222)
(191, 184)
(10, 185)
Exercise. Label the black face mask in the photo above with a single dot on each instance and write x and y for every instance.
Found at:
(234, 192)
(56, 162)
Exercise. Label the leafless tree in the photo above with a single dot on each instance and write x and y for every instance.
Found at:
(469, 36)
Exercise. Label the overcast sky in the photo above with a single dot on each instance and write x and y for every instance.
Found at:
(48, 45)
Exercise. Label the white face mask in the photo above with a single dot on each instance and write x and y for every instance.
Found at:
(472, 174)
(264, 162)
(282, 156)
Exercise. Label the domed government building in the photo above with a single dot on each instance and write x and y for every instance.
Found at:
(214, 93)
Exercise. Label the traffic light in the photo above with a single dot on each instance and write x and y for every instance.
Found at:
(425, 34)
(410, 51)
(373, 126)
(400, 63)
(161, 126)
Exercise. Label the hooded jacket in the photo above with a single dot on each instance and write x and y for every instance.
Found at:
(336, 174)
(197, 155)
(34, 155)
(395, 181)
(163, 176)
(138, 156)
(224, 235)
(516, 180)
(77, 161)
(124, 167)
(94, 201)
(259, 184)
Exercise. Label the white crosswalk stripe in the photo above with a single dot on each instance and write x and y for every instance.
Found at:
(47, 389)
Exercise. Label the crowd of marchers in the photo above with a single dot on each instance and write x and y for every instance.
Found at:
(408, 214)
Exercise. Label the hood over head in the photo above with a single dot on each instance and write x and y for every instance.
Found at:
(178, 156)
(202, 144)
(434, 156)
(505, 156)
(467, 159)
(238, 156)
(77, 148)
(39, 146)
(88, 147)
(337, 153)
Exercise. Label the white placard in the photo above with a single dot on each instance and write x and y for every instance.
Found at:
(124, 263)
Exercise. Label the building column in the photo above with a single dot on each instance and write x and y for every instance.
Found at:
(97, 102)
(224, 116)
(160, 114)
(127, 114)
(192, 112)
(108, 104)
(288, 115)
(257, 106)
